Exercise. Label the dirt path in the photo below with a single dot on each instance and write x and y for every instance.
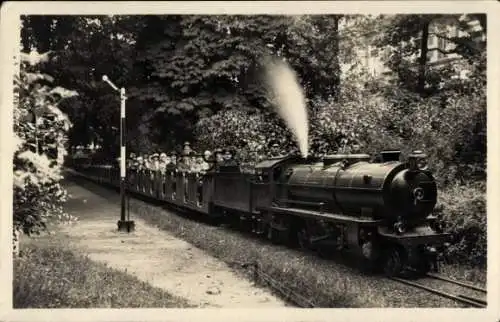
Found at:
(156, 257)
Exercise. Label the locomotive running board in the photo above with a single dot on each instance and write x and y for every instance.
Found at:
(324, 216)
(419, 236)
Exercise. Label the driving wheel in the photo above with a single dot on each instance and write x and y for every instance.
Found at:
(303, 238)
(393, 263)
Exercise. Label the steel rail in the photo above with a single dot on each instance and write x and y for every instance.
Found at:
(483, 302)
(458, 298)
(453, 281)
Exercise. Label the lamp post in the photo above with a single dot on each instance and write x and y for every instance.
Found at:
(124, 224)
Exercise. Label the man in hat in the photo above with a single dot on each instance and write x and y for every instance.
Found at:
(275, 149)
(356, 148)
(205, 161)
(131, 161)
(187, 149)
(173, 161)
(164, 160)
(145, 161)
(140, 163)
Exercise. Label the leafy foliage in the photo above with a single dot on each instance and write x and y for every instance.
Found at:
(201, 65)
(463, 208)
(82, 49)
(40, 136)
(248, 133)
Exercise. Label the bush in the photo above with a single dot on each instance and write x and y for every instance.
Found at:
(249, 132)
(40, 136)
(463, 209)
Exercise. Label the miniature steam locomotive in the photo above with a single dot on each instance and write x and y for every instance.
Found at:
(380, 210)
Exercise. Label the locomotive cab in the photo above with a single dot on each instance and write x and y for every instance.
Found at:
(390, 156)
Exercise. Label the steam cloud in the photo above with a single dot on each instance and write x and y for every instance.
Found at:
(288, 98)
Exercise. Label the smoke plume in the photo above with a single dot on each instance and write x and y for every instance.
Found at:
(285, 93)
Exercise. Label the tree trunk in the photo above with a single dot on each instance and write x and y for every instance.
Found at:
(16, 235)
(423, 58)
(336, 51)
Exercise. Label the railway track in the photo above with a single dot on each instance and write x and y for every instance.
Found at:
(461, 292)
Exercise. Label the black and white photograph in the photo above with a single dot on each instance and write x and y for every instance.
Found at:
(221, 159)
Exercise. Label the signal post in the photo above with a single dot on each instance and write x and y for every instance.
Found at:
(124, 224)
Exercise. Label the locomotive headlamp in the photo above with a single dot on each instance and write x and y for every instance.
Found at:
(417, 161)
(418, 194)
(422, 164)
(399, 227)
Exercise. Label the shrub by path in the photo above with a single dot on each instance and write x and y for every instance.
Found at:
(155, 256)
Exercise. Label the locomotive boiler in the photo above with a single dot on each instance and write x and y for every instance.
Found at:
(352, 185)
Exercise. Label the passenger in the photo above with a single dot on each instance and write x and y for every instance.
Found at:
(187, 149)
(182, 164)
(207, 155)
(136, 164)
(229, 158)
(275, 150)
(140, 163)
(208, 161)
(356, 148)
(145, 161)
(151, 161)
(219, 156)
(173, 158)
(200, 165)
(163, 162)
(155, 164)
(193, 164)
(171, 165)
(131, 161)
(189, 162)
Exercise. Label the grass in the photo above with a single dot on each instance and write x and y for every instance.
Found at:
(286, 266)
(463, 273)
(48, 275)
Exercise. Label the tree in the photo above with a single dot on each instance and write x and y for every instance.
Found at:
(197, 66)
(83, 48)
(407, 37)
